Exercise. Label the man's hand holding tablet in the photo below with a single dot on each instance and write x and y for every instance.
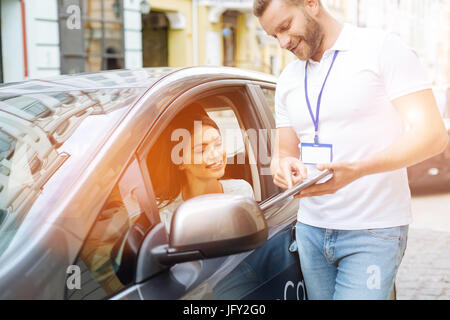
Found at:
(344, 173)
(302, 185)
(289, 172)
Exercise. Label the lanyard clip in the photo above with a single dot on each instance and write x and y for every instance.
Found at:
(316, 139)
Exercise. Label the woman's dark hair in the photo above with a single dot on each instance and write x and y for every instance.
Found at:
(167, 178)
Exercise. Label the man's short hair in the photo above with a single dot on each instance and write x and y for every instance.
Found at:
(259, 6)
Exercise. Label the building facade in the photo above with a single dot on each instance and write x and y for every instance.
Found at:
(422, 24)
(51, 37)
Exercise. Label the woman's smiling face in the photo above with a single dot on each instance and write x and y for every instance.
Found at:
(208, 157)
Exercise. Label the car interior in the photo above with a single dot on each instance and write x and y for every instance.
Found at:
(239, 151)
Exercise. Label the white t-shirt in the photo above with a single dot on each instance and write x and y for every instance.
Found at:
(358, 119)
(231, 186)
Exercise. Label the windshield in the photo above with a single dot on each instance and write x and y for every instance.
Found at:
(34, 128)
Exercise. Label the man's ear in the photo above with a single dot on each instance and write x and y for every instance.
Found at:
(312, 7)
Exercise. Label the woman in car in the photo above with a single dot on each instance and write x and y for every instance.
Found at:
(196, 169)
(178, 177)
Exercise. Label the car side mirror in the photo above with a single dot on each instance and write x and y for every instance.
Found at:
(213, 225)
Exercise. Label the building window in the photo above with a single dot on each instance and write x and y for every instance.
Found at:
(229, 25)
(97, 41)
(155, 39)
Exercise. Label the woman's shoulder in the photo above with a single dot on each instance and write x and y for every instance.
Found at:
(166, 211)
(166, 207)
(237, 186)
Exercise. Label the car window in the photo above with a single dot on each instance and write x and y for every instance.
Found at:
(239, 145)
(269, 94)
(108, 257)
(230, 129)
(241, 174)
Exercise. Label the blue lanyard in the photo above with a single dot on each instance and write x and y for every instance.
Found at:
(316, 119)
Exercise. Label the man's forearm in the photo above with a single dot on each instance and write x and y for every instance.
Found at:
(426, 137)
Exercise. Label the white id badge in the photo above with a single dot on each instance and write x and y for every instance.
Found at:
(313, 154)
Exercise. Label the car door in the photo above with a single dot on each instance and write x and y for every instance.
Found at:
(272, 268)
(106, 263)
(281, 214)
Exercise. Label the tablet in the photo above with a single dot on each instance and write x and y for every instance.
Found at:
(295, 189)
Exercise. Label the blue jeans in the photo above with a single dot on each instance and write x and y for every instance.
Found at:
(350, 264)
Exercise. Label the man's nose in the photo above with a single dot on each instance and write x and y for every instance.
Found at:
(285, 41)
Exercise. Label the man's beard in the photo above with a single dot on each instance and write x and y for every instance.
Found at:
(312, 40)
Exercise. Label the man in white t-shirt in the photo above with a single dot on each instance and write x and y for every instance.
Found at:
(357, 102)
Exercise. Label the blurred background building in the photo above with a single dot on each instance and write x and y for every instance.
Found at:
(42, 38)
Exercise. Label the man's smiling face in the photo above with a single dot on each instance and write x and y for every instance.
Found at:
(293, 27)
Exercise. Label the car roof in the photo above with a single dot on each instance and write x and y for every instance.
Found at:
(211, 73)
(87, 81)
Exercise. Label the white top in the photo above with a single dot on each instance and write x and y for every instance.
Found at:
(231, 186)
(358, 119)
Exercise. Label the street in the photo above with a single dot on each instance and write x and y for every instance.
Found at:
(425, 270)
